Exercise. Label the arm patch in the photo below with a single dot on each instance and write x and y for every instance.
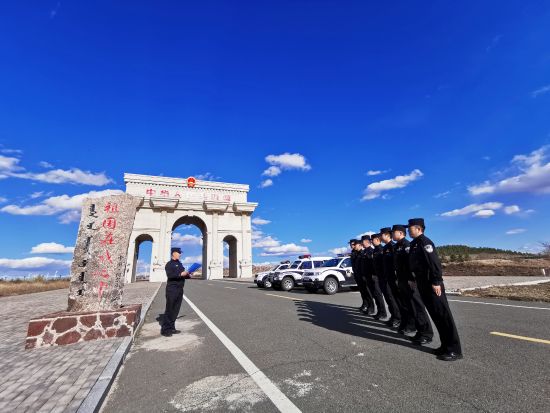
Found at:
(429, 248)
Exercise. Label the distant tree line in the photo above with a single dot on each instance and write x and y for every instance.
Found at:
(462, 253)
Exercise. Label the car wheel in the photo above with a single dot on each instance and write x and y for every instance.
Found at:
(267, 284)
(311, 289)
(287, 284)
(331, 286)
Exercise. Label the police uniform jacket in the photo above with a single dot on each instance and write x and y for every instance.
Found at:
(402, 266)
(174, 268)
(424, 261)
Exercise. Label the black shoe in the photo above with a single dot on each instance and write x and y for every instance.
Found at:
(420, 341)
(166, 333)
(396, 323)
(370, 311)
(406, 331)
(450, 356)
(438, 351)
(175, 331)
(363, 308)
(390, 322)
(378, 316)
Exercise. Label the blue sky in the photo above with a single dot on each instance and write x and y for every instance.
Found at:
(447, 104)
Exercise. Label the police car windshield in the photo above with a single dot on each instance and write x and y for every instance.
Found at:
(283, 267)
(295, 264)
(307, 265)
(332, 262)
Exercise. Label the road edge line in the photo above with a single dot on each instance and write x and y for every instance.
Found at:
(277, 397)
(99, 391)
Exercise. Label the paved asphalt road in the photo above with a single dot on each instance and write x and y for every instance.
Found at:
(325, 356)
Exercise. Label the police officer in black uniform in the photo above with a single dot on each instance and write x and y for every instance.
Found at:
(428, 275)
(357, 263)
(372, 282)
(390, 275)
(380, 278)
(417, 317)
(176, 274)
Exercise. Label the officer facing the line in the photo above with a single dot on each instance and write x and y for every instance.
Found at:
(426, 266)
(176, 274)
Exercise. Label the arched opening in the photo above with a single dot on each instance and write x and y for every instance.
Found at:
(230, 262)
(141, 269)
(189, 233)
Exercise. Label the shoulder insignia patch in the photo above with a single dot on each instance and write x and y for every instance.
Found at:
(407, 249)
(429, 248)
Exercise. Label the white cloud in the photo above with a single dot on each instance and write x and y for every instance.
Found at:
(45, 165)
(473, 209)
(284, 250)
(11, 151)
(266, 183)
(532, 176)
(71, 176)
(35, 195)
(192, 259)
(208, 176)
(33, 263)
(9, 164)
(305, 240)
(186, 239)
(442, 194)
(272, 171)
(515, 231)
(342, 250)
(265, 242)
(288, 161)
(484, 213)
(51, 248)
(2, 200)
(69, 206)
(374, 190)
(540, 91)
(260, 221)
(512, 209)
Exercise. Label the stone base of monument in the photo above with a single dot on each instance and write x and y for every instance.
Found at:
(62, 328)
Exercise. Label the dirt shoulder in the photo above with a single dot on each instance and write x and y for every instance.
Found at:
(538, 292)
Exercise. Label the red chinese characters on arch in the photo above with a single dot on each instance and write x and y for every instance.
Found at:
(187, 196)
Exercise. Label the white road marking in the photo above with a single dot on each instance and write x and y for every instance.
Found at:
(501, 305)
(230, 288)
(283, 403)
(284, 296)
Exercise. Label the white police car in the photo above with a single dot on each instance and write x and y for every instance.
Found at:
(286, 280)
(331, 276)
(262, 278)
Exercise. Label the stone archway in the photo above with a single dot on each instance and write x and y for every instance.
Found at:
(201, 225)
(219, 209)
(232, 242)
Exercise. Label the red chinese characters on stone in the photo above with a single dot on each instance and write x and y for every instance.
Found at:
(165, 193)
(102, 288)
(108, 240)
(227, 198)
(106, 257)
(111, 207)
(109, 223)
(150, 192)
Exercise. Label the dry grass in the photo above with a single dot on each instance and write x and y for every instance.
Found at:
(19, 287)
(538, 292)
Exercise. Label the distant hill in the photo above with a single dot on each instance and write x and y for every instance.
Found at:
(449, 250)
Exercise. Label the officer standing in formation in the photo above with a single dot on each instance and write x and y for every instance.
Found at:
(378, 256)
(357, 264)
(368, 273)
(428, 280)
(408, 275)
(176, 274)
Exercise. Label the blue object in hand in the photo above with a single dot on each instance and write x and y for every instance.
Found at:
(193, 268)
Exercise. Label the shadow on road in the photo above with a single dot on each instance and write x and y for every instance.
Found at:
(349, 320)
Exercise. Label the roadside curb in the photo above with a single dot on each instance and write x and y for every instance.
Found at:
(95, 398)
(484, 287)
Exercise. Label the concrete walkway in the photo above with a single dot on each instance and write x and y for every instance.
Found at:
(54, 379)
